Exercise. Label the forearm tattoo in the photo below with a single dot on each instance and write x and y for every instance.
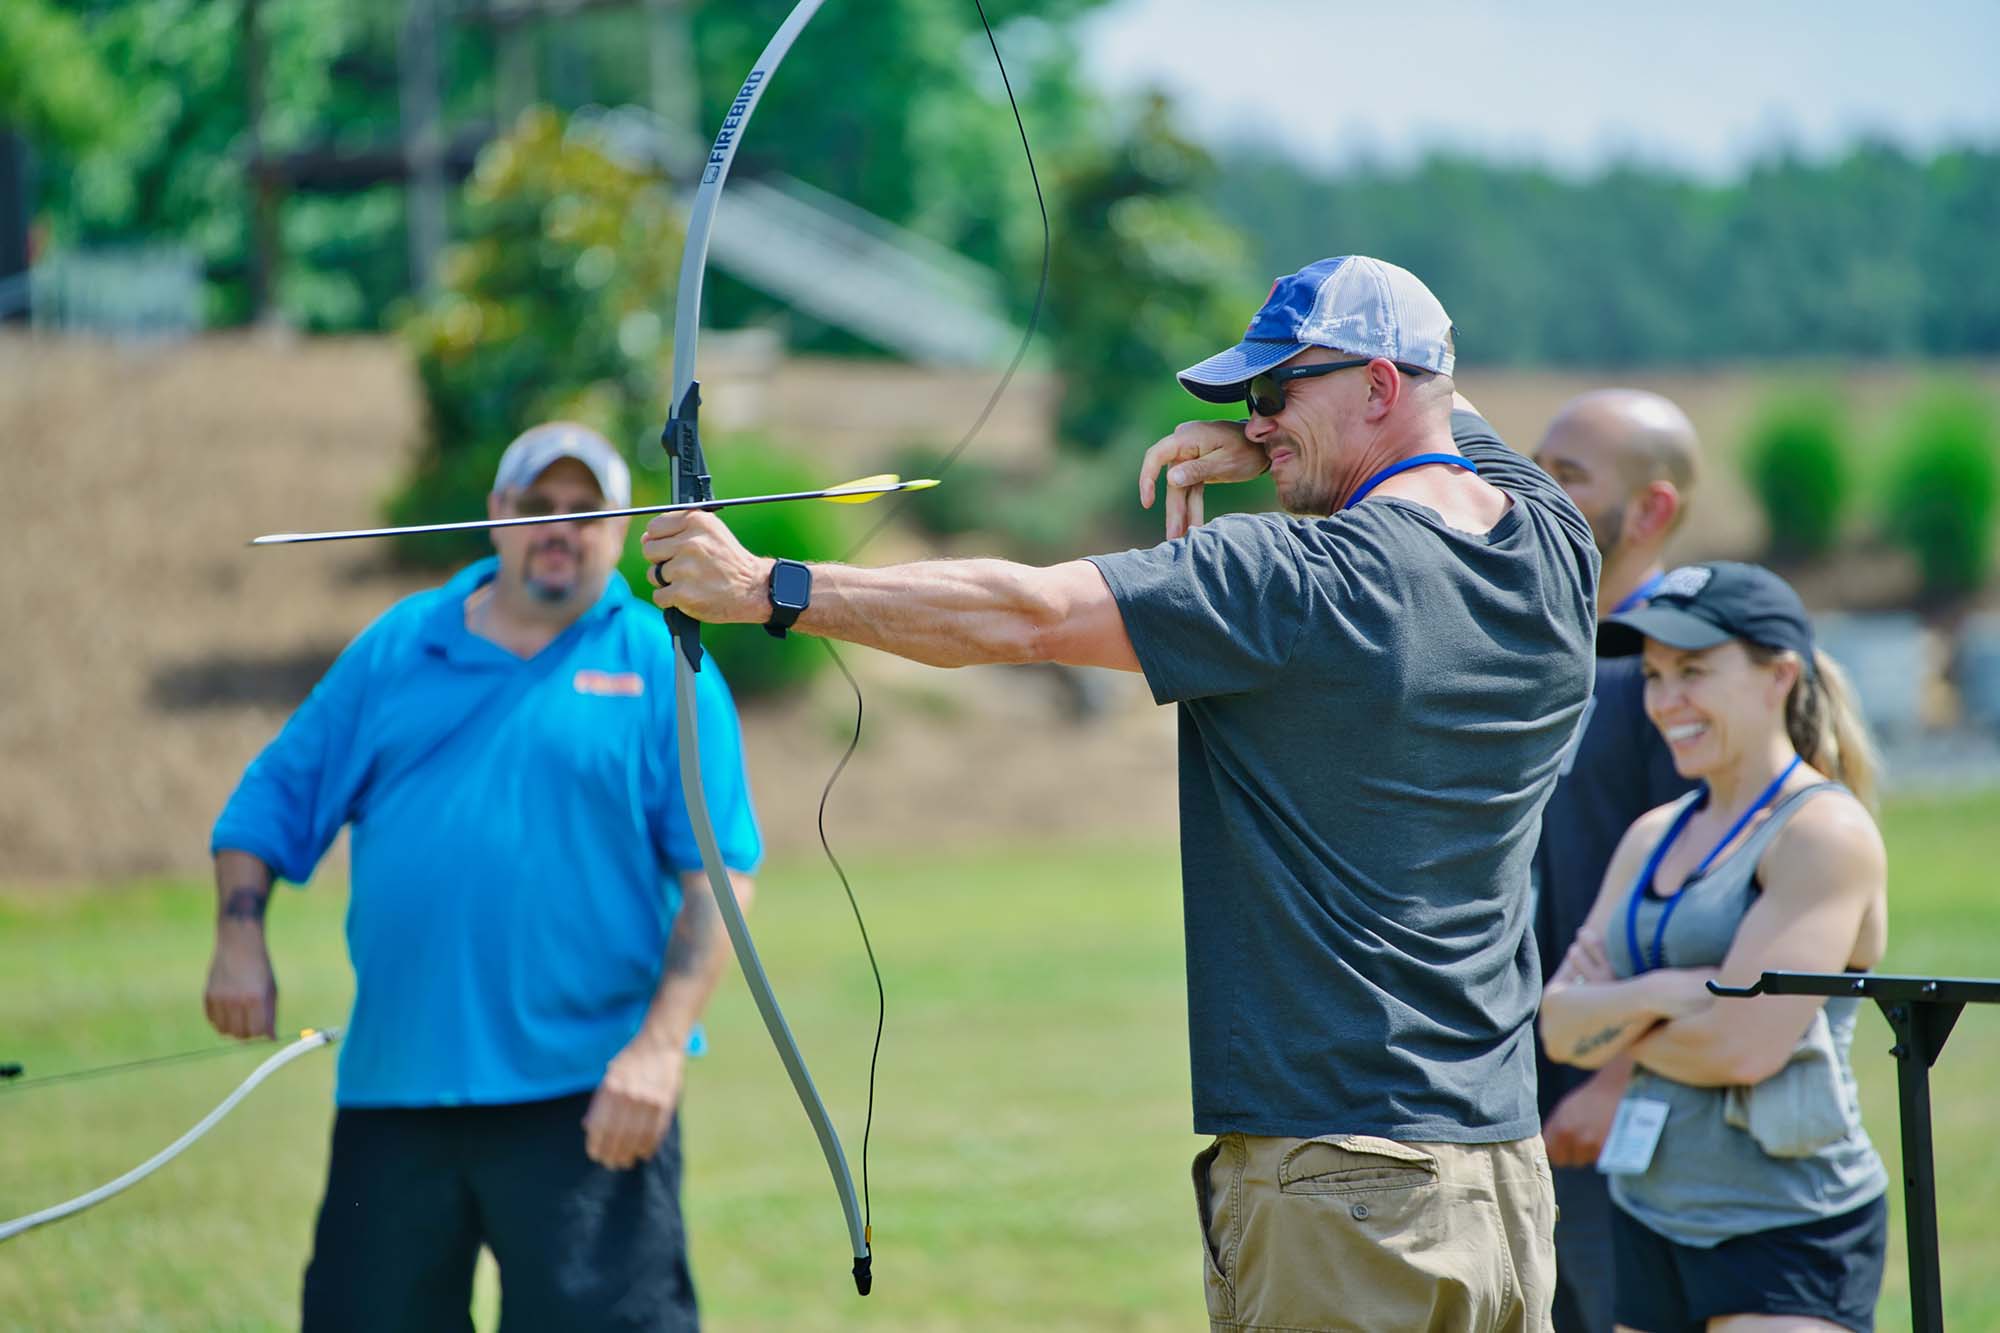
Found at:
(245, 904)
(1597, 1039)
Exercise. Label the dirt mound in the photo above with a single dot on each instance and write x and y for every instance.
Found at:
(149, 653)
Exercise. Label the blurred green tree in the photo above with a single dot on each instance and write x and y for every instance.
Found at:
(1942, 491)
(1145, 278)
(1875, 253)
(932, 148)
(1796, 462)
(54, 85)
(897, 107)
(173, 168)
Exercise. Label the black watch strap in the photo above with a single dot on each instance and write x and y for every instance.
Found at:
(791, 592)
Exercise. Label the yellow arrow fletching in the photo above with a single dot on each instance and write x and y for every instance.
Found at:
(869, 488)
(863, 489)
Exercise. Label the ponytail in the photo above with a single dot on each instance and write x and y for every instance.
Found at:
(1826, 726)
(1824, 722)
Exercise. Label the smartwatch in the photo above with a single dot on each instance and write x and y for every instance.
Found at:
(791, 593)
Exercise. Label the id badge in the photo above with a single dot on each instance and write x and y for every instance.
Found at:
(1635, 1135)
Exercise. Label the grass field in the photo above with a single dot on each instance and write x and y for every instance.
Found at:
(1031, 1138)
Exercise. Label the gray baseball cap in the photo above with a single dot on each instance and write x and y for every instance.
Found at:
(534, 449)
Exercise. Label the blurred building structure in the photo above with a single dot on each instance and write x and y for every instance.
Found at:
(818, 254)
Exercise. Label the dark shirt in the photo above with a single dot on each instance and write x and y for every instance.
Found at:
(1621, 769)
(1373, 708)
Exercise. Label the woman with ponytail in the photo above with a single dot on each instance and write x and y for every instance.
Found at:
(1748, 1195)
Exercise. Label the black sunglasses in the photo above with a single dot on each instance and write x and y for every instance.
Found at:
(1265, 393)
(536, 504)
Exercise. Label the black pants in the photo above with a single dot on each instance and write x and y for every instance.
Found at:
(411, 1195)
(1583, 1251)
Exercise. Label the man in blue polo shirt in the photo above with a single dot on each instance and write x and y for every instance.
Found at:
(532, 938)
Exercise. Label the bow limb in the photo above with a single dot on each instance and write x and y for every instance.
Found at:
(682, 440)
(310, 1041)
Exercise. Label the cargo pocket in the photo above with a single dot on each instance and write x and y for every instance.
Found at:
(1354, 1164)
(1370, 1234)
(1217, 1206)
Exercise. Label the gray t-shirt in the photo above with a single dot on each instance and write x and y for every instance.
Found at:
(1373, 709)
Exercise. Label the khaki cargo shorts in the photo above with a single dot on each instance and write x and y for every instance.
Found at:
(1345, 1233)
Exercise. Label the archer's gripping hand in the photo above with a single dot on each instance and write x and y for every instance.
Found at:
(1197, 453)
(696, 565)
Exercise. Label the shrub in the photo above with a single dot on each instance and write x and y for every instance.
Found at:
(964, 503)
(555, 305)
(1942, 490)
(1797, 465)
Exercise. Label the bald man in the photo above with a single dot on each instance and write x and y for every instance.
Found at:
(1629, 460)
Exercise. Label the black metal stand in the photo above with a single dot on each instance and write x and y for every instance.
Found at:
(1922, 1011)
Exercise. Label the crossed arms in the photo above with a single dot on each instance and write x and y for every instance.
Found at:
(1821, 877)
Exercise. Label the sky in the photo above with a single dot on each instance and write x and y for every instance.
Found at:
(1703, 86)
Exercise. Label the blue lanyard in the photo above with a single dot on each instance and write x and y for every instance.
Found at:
(1643, 593)
(1421, 460)
(1652, 958)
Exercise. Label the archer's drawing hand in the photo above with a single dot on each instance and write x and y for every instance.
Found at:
(631, 1110)
(241, 999)
(696, 565)
(1197, 453)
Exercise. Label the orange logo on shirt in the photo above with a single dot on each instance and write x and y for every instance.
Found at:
(620, 684)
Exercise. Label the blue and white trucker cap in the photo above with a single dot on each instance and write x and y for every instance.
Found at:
(1350, 303)
(534, 449)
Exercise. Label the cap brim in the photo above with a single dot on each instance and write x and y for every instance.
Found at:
(533, 464)
(1621, 636)
(1221, 378)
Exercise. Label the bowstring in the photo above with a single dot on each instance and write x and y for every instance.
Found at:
(888, 516)
(125, 1066)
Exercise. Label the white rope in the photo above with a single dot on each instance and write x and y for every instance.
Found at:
(309, 1041)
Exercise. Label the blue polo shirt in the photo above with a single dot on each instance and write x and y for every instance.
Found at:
(518, 832)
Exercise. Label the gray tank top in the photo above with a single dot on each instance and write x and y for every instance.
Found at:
(1709, 1181)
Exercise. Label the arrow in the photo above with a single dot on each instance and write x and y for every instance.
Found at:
(857, 492)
